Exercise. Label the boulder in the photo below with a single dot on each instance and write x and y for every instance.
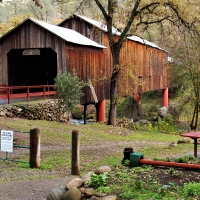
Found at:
(172, 144)
(184, 140)
(76, 182)
(102, 170)
(112, 197)
(87, 177)
(162, 112)
(89, 192)
(72, 194)
(56, 193)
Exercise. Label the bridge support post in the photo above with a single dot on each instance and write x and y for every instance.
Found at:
(101, 111)
(165, 97)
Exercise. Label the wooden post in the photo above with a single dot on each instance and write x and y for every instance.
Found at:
(35, 148)
(75, 167)
(85, 113)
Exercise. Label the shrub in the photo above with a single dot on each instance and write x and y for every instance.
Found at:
(98, 180)
(77, 114)
(68, 87)
(191, 190)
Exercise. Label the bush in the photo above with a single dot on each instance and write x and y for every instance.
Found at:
(129, 108)
(98, 180)
(77, 114)
(191, 190)
(68, 86)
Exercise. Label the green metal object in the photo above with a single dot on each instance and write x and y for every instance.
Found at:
(17, 146)
(135, 159)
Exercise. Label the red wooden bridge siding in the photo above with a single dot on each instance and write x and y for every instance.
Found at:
(89, 64)
(143, 67)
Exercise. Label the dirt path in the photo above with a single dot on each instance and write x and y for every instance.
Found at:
(30, 190)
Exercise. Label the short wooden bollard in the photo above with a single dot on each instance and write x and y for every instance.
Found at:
(35, 148)
(75, 153)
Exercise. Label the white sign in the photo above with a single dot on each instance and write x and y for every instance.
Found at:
(7, 140)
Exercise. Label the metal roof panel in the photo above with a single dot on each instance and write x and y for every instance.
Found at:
(115, 31)
(68, 34)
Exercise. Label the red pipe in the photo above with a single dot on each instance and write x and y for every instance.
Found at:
(169, 164)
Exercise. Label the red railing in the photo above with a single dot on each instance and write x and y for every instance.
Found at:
(14, 92)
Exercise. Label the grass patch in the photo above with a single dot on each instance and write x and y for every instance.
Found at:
(100, 145)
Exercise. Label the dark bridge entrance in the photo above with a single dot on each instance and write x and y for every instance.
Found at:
(27, 67)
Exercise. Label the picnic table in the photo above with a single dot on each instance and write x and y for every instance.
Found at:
(194, 136)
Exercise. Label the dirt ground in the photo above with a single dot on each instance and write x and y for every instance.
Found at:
(30, 190)
(38, 189)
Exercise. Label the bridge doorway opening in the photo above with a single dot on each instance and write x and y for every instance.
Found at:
(28, 67)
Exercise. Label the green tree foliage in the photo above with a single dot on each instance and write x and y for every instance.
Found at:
(184, 72)
(12, 22)
(68, 87)
(45, 12)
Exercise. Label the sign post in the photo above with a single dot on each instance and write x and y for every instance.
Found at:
(7, 140)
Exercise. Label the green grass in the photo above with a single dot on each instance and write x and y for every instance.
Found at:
(125, 183)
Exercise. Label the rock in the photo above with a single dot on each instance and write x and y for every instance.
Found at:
(56, 193)
(94, 198)
(100, 194)
(44, 111)
(112, 197)
(89, 192)
(162, 112)
(102, 169)
(72, 194)
(82, 190)
(3, 114)
(87, 177)
(172, 144)
(170, 109)
(76, 182)
(143, 121)
(184, 140)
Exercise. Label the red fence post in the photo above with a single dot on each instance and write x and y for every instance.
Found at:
(44, 92)
(8, 95)
(28, 98)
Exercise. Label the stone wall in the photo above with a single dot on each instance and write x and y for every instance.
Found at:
(42, 111)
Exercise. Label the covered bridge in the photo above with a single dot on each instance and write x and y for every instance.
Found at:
(34, 52)
(143, 63)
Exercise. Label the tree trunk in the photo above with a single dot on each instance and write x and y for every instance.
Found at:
(194, 121)
(113, 96)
